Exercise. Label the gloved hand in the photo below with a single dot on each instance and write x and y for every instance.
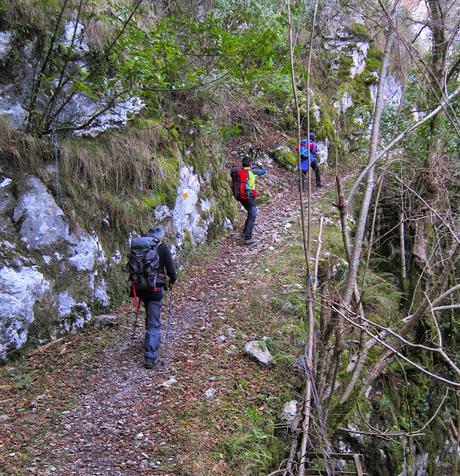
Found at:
(259, 163)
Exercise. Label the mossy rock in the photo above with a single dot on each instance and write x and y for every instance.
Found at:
(358, 30)
(343, 71)
(374, 58)
(285, 157)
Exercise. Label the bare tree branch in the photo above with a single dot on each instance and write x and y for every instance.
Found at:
(395, 141)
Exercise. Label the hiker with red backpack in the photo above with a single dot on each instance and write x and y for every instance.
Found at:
(308, 156)
(150, 264)
(244, 190)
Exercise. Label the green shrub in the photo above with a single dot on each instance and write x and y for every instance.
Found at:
(343, 71)
(358, 30)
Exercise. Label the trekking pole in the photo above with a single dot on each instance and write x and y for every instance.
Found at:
(136, 311)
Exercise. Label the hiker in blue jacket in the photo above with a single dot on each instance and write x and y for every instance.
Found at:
(308, 155)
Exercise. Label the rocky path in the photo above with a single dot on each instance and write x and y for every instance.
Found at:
(125, 420)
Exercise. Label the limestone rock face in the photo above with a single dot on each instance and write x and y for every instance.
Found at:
(339, 38)
(41, 221)
(47, 270)
(7, 204)
(80, 110)
(5, 44)
(75, 37)
(392, 91)
(187, 216)
(20, 289)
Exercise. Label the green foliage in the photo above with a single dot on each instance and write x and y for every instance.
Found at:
(382, 297)
(286, 158)
(254, 451)
(358, 30)
(343, 71)
(151, 58)
(230, 132)
(154, 200)
(374, 58)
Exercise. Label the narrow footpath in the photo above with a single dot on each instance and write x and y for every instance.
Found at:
(97, 411)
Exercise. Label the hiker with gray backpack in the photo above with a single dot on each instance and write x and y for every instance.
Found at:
(150, 266)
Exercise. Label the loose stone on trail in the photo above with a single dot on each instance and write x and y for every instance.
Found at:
(258, 350)
(105, 320)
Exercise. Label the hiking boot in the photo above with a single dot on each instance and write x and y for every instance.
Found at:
(149, 364)
(251, 241)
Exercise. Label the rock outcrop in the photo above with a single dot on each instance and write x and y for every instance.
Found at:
(48, 272)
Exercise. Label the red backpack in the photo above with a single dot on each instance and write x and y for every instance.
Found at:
(240, 187)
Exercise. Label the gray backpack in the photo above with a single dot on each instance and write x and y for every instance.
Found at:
(144, 263)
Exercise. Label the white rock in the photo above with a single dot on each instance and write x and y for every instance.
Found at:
(116, 257)
(316, 113)
(20, 289)
(227, 224)
(168, 383)
(5, 44)
(11, 108)
(210, 393)
(358, 56)
(392, 92)
(353, 429)
(81, 314)
(65, 304)
(7, 204)
(42, 224)
(186, 217)
(345, 103)
(87, 251)
(105, 320)
(78, 312)
(205, 205)
(76, 32)
(259, 351)
(161, 212)
(290, 411)
(100, 293)
(5, 181)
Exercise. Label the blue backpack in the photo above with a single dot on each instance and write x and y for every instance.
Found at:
(305, 154)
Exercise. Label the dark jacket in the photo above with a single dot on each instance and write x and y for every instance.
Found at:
(166, 267)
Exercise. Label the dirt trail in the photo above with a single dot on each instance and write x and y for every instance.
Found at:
(122, 423)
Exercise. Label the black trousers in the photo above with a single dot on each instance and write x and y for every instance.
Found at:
(315, 167)
(250, 206)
